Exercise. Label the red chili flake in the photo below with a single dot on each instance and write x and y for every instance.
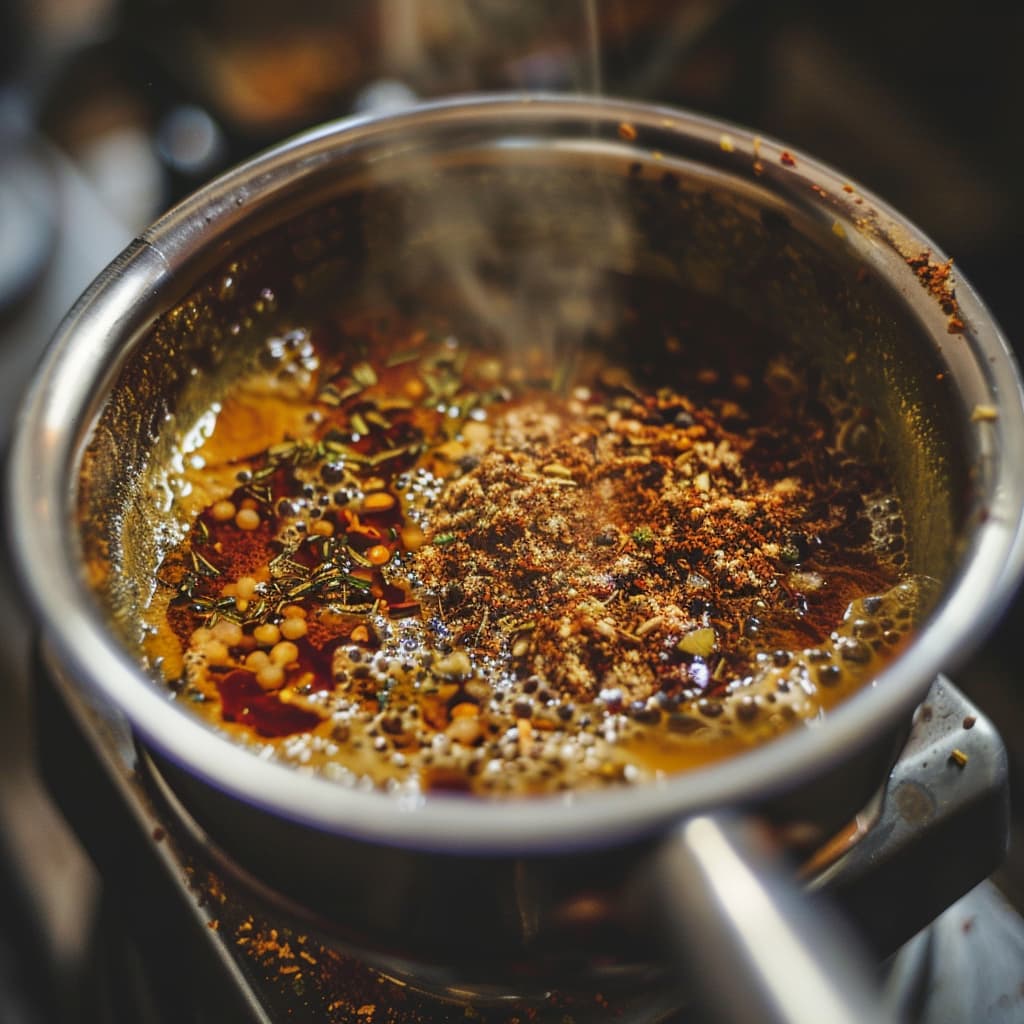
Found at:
(787, 158)
(242, 700)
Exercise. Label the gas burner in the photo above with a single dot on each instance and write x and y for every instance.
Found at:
(206, 942)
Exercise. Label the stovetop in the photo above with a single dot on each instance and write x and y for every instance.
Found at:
(200, 937)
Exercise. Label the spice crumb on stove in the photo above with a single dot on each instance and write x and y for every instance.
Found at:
(477, 573)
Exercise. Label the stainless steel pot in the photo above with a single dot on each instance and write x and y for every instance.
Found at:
(469, 892)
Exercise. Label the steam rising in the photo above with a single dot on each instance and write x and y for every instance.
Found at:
(547, 293)
(529, 262)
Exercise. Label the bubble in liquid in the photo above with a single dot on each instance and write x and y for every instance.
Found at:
(829, 675)
(854, 650)
(864, 629)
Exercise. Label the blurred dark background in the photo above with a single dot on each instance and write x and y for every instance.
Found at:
(110, 111)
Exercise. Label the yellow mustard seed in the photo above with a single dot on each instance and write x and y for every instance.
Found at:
(270, 677)
(222, 511)
(294, 627)
(284, 653)
(267, 634)
(255, 660)
(247, 519)
(379, 501)
(227, 632)
(216, 652)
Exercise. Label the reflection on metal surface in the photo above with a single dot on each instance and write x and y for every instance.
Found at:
(913, 803)
(969, 966)
(751, 940)
(946, 806)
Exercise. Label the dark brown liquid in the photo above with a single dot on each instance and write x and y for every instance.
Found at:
(517, 574)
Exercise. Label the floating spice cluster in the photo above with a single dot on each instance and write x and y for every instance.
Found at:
(500, 573)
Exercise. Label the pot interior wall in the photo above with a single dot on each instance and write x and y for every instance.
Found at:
(546, 247)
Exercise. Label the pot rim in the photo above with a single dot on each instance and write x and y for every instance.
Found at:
(53, 419)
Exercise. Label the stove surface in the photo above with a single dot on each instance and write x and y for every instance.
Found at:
(198, 934)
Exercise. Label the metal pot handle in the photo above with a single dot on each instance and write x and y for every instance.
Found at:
(762, 950)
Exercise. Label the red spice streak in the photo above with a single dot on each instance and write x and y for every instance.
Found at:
(244, 702)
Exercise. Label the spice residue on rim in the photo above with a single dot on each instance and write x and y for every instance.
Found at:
(459, 568)
(937, 279)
